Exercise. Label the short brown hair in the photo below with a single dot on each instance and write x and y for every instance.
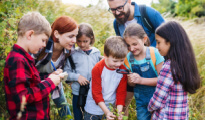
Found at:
(116, 47)
(86, 29)
(63, 24)
(34, 21)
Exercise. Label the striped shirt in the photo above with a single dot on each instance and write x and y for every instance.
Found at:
(170, 101)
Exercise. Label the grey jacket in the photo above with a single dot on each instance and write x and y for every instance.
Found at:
(84, 64)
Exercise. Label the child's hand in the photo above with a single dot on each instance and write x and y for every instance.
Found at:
(110, 116)
(58, 71)
(82, 80)
(55, 78)
(134, 78)
(120, 116)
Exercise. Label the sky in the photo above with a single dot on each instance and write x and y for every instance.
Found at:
(94, 2)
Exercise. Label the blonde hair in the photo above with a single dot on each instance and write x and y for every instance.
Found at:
(116, 47)
(34, 21)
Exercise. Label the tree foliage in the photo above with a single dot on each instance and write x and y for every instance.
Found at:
(185, 8)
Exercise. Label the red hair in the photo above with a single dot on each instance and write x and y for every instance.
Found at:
(63, 24)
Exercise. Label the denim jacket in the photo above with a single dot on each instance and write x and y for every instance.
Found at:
(154, 16)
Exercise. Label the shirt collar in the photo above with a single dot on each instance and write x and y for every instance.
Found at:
(20, 50)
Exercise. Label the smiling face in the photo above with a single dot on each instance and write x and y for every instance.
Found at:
(123, 10)
(135, 45)
(162, 45)
(84, 42)
(113, 63)
(37, 42)
(68, 39)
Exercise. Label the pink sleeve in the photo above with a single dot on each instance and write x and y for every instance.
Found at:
(96, 85)
(122, 91)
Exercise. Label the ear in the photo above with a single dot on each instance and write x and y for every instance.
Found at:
(29, 34)
(56, 34)
(145, 39)
(105, 55)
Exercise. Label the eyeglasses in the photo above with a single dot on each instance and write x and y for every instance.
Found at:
(119, 9)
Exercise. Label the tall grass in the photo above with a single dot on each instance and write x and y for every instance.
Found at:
(102, 23)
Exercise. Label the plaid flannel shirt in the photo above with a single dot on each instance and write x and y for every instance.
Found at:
(170, 101)
(21, 78)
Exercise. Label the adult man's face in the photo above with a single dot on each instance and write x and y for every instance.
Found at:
(120, 9)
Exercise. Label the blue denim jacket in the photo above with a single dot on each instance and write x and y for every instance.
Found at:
(154, 16)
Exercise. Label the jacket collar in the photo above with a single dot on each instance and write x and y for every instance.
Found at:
(20, 50)
(49, 47)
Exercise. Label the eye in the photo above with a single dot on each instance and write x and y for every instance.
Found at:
(85, 41)
(71, 36)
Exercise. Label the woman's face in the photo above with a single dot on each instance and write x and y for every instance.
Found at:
(68, 39)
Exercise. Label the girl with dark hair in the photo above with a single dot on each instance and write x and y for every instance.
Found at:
(178, 76)
(85, 56)
(57, 50)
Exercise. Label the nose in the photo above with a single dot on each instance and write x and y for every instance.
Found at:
(157, 46)
(117, 12)
(131, 48)
(119, 63)
(74, 40)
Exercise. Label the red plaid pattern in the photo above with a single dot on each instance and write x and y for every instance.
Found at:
(21, 78)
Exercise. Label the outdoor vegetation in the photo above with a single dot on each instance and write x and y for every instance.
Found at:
(190, 13)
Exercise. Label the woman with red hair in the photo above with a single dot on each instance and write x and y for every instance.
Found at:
(58, 48)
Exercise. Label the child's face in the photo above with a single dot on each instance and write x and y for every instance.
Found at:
(112, 62)
(84, 42)
(162, 45)
(135, 45)
(68, 39)
(37, 42)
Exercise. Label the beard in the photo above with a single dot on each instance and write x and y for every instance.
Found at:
(122, 20)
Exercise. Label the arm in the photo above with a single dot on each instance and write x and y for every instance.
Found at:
(121, 91)
(135, 78)
(22, 84)
(72, 76)
(164, 85)
(96, 85)
(109, 115)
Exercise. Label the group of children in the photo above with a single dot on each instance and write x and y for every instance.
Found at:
(160, 85)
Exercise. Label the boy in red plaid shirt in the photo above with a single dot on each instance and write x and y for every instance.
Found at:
(21, 77)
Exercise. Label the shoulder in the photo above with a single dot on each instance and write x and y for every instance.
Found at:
(166, 68)
(15, 58)
(150, 10)
(94, 49)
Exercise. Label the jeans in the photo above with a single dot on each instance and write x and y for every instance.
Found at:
(65, 110)
(88, 116)
(78, 115)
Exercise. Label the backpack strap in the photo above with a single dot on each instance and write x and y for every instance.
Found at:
(153, 56)
(116, 28)
(71, 63)
(145, 19)
(126, 63)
